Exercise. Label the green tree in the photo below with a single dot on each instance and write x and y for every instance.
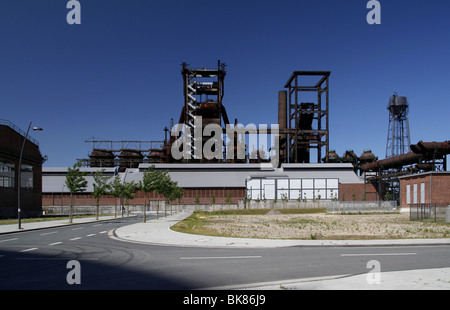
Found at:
(129, 190)
(387, 196)
(76, 183)
(125, 190)
(170, 190)
(150, 183)
(101, 187)
(166, 187)
(116, 189)
(196, 199)
(228, 199)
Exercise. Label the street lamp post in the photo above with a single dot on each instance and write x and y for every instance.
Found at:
(19, 172)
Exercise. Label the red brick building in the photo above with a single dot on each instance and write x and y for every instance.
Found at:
(227, 182)
(425, 188)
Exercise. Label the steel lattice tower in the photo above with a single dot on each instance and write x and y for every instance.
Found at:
(398, 139)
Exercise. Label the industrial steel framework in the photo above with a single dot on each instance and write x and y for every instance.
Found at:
(308, 121)
(398, 139)
(203, 94)
(423, 157)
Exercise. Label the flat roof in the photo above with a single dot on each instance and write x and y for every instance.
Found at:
(343, 166)
(212, 166)
(424, 174)
(58, 170)
(212, 175)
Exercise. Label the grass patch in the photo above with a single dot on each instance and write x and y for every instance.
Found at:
(195, 224)
(312, 223)
(199, 220)
(235, 212)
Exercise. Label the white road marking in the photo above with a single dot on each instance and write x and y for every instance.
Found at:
(49, 233)
(220, 257)
(77, 228)
(73, 239)
(103, 232)
(55, 243)
(28, 250)
(379, 254)
(9, 240)
(56, 258)
(90, 235)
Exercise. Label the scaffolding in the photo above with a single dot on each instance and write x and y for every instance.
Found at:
(308, 115)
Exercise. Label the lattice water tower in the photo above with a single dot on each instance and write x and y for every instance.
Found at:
(398, 140)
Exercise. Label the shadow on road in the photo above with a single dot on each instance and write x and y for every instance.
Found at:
(28, 271)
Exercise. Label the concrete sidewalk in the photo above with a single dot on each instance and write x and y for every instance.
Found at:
(422, 279)
(12, 228)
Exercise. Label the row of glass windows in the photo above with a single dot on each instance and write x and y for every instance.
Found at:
(8, 171)
(293, 188)
(415, 193)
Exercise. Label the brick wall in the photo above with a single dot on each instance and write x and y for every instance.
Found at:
(440, 188)
(347, 192)
(204, 196)
(355, 192)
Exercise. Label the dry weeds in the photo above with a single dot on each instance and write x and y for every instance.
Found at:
(325, 226)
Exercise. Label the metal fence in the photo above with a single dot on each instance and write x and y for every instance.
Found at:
(152, 206)
(361, 206)
(427, 211)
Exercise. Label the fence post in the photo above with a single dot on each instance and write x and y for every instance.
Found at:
(435, 211)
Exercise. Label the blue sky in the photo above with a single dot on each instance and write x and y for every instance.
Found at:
(117, 75)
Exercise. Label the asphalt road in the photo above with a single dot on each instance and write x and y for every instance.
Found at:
(38, 260)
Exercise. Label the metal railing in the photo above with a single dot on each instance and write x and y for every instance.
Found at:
(5, 122)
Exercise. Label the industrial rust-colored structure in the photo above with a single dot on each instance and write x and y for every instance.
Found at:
(308, 119)
(203, 91)
(423, 157)
(303, 123)
(303, 134)
(124, 154)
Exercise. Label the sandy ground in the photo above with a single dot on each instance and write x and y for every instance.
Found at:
(326, 226)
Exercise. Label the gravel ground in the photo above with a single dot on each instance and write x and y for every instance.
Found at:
(326, 226)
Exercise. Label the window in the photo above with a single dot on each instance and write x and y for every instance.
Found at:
(415, 193)
(7, 173)
(422, 192)
(254, 189)
(293, 189)
(268, 189)
(295, 186)
(26, 177)
(282, 188)
(408, 194)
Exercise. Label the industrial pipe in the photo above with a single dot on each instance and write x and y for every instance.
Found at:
(420, 151)
(441, 148)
